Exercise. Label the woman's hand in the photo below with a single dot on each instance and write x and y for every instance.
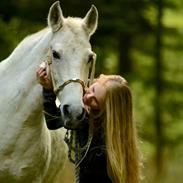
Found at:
(43, 78)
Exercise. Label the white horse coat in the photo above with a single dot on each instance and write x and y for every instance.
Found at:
(29, 152)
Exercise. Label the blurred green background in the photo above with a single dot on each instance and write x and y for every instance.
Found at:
(141, 40)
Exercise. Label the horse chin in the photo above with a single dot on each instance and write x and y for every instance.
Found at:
(73, 124)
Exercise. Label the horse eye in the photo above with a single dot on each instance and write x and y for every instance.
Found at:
(90, 58)
(56, 55)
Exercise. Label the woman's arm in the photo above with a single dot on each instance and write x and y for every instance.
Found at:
(51, 112)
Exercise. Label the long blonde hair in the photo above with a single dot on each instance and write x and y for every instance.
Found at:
(120, 131)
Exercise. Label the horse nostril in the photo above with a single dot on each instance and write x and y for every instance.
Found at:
(66, 110)
(82, 115)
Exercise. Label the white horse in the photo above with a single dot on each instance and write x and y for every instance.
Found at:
(29, 152)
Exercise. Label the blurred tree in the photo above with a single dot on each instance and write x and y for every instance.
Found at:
(158, 78)
(121, 22)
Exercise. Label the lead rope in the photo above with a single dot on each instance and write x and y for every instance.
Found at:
(77, 157)
(86, 149)
(72, 140)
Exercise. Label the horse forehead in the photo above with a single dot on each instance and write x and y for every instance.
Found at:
(72, 33)
(68, 36)
(69, 41)
(74, 24)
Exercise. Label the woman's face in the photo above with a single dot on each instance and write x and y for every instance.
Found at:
(94, 96)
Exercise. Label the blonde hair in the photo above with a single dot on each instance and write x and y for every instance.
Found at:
(120, 131)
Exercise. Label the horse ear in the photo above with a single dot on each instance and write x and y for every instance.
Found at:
(91, 20)
(55, 17)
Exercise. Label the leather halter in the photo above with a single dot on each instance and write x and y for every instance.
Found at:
(59, 88)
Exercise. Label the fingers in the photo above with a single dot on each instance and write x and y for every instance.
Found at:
(43, 78)
(41, 73)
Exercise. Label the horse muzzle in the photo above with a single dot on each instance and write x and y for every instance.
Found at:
(73, 116)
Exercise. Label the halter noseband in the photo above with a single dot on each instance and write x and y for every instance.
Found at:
(59, 88)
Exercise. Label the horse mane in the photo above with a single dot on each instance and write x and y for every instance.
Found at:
(27, 44)
(30, 41)
(24, 48)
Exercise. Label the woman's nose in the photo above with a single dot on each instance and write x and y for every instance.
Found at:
(87, 98)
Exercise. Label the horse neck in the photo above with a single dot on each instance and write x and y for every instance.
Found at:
(18, 73)
(26, 58)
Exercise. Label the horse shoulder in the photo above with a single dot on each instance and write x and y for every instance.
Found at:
(58, 157)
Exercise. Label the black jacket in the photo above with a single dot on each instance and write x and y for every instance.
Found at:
(93, 167)
(51, 111)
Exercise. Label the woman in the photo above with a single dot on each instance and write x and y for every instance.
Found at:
(113, 153)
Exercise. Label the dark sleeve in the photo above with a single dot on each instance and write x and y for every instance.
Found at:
(51, 111)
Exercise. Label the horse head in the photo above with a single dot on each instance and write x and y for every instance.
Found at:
(71, 60)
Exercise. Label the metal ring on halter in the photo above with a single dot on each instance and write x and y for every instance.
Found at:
(61, 87)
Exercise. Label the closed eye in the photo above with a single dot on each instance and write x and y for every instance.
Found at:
(56, 55)
(93, 89)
